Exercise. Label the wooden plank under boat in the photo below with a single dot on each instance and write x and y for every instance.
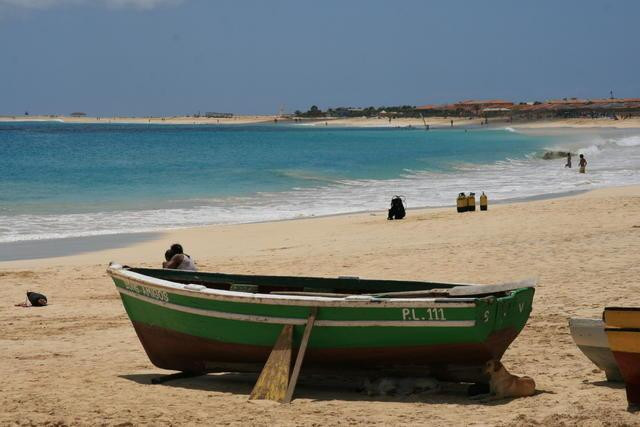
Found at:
(591, 339)
(206, 322)
(623, 332)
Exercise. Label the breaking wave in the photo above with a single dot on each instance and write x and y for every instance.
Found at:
(612, 162)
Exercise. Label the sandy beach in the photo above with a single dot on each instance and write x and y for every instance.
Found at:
(362, 122)
(464, 122)
(79, 362)
(270, 144)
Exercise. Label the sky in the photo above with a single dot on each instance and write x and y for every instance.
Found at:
(167, 57)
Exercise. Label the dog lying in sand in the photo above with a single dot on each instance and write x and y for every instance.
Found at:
(504, 385)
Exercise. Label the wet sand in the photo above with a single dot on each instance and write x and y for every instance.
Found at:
(34, 249)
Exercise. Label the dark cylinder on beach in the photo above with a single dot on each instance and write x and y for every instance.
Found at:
(471, 202)
(462, 202)
(484, 202)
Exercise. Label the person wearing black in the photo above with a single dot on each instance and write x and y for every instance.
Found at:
(397, 209)
(34, 299)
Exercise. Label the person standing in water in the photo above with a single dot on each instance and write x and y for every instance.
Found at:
(582, 164)
(568, 165)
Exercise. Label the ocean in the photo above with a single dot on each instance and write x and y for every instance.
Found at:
(70, 180)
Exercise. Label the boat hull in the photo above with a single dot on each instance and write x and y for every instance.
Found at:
(625, 345)
(622, 317)
(591, 339)
(623, 333)
(191, 329)
(172, 350)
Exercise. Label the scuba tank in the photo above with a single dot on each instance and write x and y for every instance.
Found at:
(462, 202)
(471, 202)
(484, 202)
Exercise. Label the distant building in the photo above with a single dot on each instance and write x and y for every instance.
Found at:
(577, 108)
(218, 115)
(495, 110)
(553, 108)
(491, 103)
(470, 107)
(443, 110)
(78, 114)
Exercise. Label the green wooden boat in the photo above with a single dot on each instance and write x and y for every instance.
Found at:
(206, 322)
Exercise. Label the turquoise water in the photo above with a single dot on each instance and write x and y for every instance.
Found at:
(61, 180)
(52, 167)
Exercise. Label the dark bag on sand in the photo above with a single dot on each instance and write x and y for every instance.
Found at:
(34, 298)
(397, 208)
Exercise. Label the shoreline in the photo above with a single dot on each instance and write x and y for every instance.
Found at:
(69, 246)
(352, 122)
(169, 120)
(77, 245)
(49, 250)
(72, 245)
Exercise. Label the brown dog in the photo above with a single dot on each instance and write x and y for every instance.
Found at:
(502, 384)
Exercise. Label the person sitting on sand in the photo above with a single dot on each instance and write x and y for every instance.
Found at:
(176, 259)
(582, 164)
(34, 299)
(568, 165)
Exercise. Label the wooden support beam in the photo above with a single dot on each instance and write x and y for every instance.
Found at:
(274, 382)
(274, 378)
(301, 351)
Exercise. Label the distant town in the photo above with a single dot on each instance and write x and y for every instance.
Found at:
(551, 109)
(565, 108)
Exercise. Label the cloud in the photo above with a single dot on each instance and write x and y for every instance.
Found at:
(29, 4)
(141, 4)
(47, 4)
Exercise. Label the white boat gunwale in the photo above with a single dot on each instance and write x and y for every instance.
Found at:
(590, 337)
(117, 271)
(298, 300)
(588, 332)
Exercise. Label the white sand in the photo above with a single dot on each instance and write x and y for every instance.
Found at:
(79, 361)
